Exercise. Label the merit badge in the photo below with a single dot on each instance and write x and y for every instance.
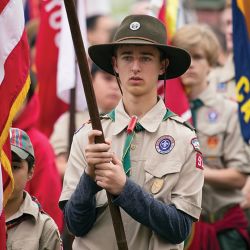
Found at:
(212, 116)
(157, 185)
(164, 144)
(212, 141)
(196, 145)
(134, 26)
(199, 161)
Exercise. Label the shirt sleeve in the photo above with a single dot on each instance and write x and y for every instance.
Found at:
(80, 210)
(167, 221)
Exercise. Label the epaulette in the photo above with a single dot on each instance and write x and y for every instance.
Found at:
(182, 121)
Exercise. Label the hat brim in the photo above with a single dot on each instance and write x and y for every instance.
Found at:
(179, 59)
(20, 152)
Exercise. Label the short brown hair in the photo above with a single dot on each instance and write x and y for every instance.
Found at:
(192, 35)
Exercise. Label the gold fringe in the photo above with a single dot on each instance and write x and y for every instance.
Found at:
(3, 157)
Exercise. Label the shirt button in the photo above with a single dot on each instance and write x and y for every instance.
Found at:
(132, 146)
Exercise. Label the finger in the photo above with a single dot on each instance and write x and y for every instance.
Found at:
(116, 160)
(108, 141)
(92, 134)
(100, 147)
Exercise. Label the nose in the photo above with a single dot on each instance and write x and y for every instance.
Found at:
(136, 66)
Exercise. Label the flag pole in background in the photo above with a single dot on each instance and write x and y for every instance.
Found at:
(93, 111)
(14, 85)
(241, 49)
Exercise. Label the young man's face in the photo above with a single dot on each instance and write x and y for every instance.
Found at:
(139, 68)
(198, 71)
(107, 91)
(21, 175)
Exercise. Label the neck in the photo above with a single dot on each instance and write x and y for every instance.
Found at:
(13, 205)
(139, 105)
(194, 91)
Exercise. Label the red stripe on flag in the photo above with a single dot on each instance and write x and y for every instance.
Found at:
(16, 73)
(3, 4)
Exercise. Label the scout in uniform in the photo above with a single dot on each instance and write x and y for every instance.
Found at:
(225, 160)
(151, 163)
(28, 227)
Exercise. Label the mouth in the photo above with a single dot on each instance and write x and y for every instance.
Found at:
(135, 79)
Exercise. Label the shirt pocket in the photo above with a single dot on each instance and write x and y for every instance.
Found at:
(161, 178)
(212, 144)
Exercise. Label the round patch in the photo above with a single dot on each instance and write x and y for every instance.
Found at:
(135, 26)
(157, 186)
(164, 144)
(212, 116)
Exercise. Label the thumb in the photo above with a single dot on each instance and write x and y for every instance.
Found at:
(116, 160)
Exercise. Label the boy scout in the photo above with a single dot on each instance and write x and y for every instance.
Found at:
(225, 160)
(28, 227)
(153, 169)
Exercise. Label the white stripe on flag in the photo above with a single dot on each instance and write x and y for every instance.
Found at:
(10, 32)
(68, 75)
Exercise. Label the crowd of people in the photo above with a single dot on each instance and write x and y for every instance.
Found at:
(179, 184)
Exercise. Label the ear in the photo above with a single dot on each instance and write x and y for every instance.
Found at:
(30, 173)
(114, 64)
(164, 65)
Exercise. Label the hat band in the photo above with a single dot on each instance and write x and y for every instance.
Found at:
(136, 37)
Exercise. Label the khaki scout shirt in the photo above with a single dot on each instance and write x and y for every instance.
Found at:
(171, 177)
(60, 136)
(39, 232)
(222, 79)
(222, 146)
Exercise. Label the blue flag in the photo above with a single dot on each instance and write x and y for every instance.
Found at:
(241, 41)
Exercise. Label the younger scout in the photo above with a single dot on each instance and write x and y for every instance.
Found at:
(28, 227)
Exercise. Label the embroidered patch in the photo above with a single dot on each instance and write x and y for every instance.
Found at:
(157, 185)
(199, 161)
(212, 141)
(135, 26)
(212, 116)
(221, 87)
(164, 144)
(195, 143)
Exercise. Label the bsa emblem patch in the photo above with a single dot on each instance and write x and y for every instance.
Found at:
(134, 26)
(212, 116)
(164, 144)
(196, 145)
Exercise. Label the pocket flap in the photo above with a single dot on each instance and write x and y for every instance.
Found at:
(163, 168)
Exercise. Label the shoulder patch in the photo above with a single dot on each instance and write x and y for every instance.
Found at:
(180, 120)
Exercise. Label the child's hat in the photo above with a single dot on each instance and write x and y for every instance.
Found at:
(20, 143)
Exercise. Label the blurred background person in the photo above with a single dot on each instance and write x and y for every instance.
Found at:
(226, 164)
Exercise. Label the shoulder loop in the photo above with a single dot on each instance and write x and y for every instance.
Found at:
(87, 122)
(168, 114)
(187, 124)
(111, 115)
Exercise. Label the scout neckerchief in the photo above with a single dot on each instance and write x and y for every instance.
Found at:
(133, 128)
(195, 105)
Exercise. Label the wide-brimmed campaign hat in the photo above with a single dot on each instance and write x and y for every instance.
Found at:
(142, 30)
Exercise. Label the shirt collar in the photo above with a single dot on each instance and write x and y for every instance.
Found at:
(150, 121)
(28, 207)
(207, 96)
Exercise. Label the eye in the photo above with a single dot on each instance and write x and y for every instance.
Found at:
(16, 165)
(146, 59)
(127, 58)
